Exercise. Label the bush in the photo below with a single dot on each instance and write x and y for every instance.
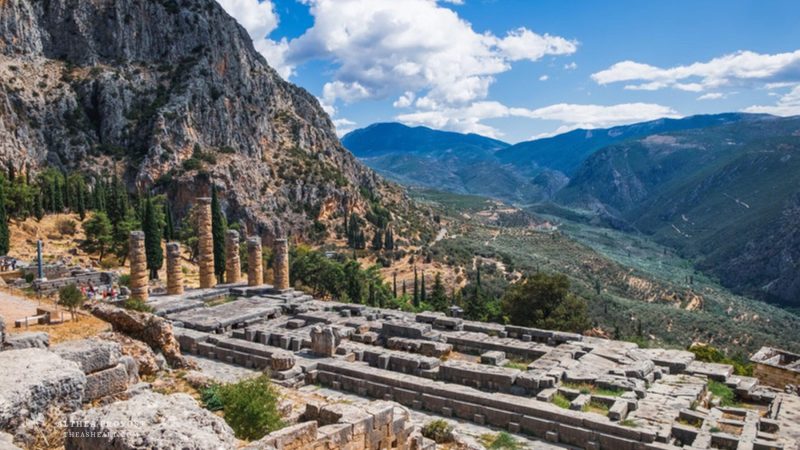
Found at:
(67, 227)
(29, 277)
(71, 298)
(499, 441)
(210, 398)
(125, 279)
(251, 407)
(438, 430)
(135, 304)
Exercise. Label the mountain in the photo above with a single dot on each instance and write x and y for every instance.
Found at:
(173, 95)
(565, 152)
(728, 197)
(454, 162)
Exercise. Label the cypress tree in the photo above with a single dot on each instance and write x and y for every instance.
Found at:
(389, 244)
(81, 200)
(152, 227)
(5, 235)
(58, 193)
(416, 289)
(51, 190)
(404, 288)
(169, 227)
(394, 284)
(38, 207)
(438, 294)
(377, 240)
(65, 189)
(423, 296)
(218, 227)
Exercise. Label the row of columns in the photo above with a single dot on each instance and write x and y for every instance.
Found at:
(255, 270)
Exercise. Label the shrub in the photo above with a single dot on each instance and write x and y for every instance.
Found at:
(251, 407)
(70, 297)
(500, 441)
(725, 394)
(210, 398)
(125, 279)
(135, 304)
(561, 401)
(29, 277)
(192, 164)
(438, 430)
(67, 227)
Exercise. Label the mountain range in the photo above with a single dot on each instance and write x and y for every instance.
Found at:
(722, 190)
(173, 96)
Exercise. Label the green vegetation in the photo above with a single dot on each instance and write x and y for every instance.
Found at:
(725, 394)
(585, 388)
(707, 353)
(439, 431)
(630, 423)
(153, 226)
(99, 233)
(560, 401)
(517, 364)
(499, 441)
(545, 301)
(596, 407)
(5, 235)
(250, 407)
(136, 304)
(71, 298)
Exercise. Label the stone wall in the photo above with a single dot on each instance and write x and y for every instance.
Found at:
(776, 377)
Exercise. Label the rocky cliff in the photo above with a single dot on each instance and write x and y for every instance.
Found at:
(172, 94)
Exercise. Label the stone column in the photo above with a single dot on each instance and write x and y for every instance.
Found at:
(255, 269)
(233, 267)
(174, 269)
(206, 243)
(280, 265)
(138, 259)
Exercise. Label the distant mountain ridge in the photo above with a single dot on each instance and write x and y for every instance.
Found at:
(726, 196)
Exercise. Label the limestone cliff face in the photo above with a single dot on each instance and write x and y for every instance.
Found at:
(146, 85)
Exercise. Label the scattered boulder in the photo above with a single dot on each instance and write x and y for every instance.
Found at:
(106, 382)
(149, 420)
(25, 340)
(91, 355)
(148, 328)
(143, 355)
(31, 381)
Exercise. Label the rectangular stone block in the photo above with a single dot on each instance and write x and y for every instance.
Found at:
(106, 382)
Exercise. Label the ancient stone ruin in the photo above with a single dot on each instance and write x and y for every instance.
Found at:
(205, 257)
(174, 269)
(281, 264)
(255, 269)
(140, 276)
(233, 267)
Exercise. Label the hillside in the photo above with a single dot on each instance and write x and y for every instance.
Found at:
(565, 152)
(454, 162)
(727, 197)
(173, 96)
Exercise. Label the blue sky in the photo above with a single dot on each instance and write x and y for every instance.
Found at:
(520, 69)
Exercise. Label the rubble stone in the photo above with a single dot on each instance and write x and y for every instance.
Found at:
(91, 355)
(28, 339)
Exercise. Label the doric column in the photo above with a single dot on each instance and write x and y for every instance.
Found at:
(206, 243)
(174, 269)
(138, 259)
(255, 269)
(280, 265)
(233, 266)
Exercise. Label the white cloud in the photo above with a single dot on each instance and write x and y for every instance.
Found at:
(544, 78)
(736, 68)
(418, 46)
(405, 100)
(344, 126)
(469, 119)
(454, 2)
(348, 92)
(712, 96)
(259, 19)
(788, 105)
(571, 66)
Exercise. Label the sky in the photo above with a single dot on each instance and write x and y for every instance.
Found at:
(518, 70)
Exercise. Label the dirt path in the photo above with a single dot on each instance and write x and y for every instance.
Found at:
(13, 307)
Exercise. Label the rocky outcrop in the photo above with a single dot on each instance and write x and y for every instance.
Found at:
(33, 380)
(107, 373)
(138, 350)
(176, 90)
(31, 339)
(149, 420)
(148, 328)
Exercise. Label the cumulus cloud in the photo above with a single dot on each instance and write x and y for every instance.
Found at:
(571, 66)
(259, 19)
(544, 78)
(712, 96)
(787, 105)
(469, 119)
(405, 100)
(343, 126)
(418, 46)
(737, 68)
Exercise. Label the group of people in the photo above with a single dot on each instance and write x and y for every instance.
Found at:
(105, 293)
(7, 264)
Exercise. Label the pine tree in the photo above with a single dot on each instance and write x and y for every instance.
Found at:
(153, 227)
(423, 295)
(5, 235)
(438, 300)
(377, 240)
(218, 226)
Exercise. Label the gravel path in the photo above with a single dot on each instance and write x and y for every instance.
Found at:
(13, 307)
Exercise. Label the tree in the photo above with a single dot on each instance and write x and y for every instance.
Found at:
(218, 226)
(153, 226)
(99, 233)
(394, 284)
(416, 289)
(121, 234)
(438, 300)
(71, 298)
(5, 234)
(545, 301)
(423, 293)
(38, 210)
(377, 240)
(169, 226)
(389, 243)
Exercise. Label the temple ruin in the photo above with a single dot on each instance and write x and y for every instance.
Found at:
(140, 276)
(205, 257)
